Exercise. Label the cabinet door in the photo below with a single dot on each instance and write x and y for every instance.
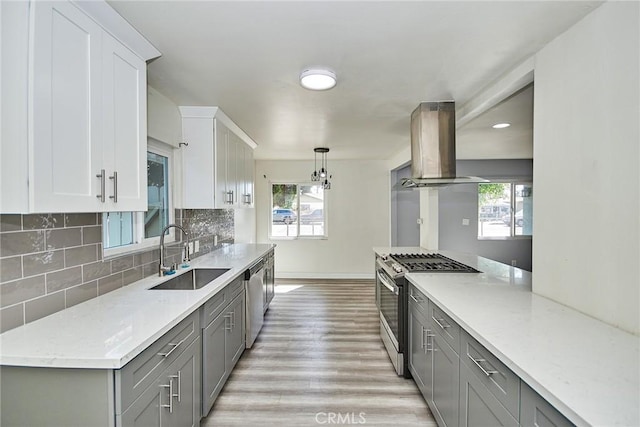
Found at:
(124, 127)
(214, 350)
(419, 350)
(236, 334)
(198, 173)
(536, 411)
(232, 167)
(478, 406)
(444, 382)
(184, 374)
(241, 200)
(222, 196)
(66, 101)
(248, 175)
(146, 410)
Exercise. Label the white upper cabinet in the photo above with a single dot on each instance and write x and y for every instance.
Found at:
(215, 163)
(124, 126)
(86, 107)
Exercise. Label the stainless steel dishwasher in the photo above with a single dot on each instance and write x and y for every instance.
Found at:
(253, 283)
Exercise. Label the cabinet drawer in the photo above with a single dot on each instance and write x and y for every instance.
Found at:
(444, 325)
(212, 308)
(493, 374)
(536, 411)
(234, 288)
(143, 370)
(418, 300)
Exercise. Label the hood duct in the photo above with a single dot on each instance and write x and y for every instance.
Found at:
(433, 147)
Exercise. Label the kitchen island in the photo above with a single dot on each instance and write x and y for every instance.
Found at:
(132, 356)
(588, 370)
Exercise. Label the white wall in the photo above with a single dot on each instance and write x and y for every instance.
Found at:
(586, 161)
(358, 218)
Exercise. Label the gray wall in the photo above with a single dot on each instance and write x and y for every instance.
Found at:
(458, 202)
(405, 211)
(49, 262)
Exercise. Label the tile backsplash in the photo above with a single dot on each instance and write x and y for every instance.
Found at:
(49, 262)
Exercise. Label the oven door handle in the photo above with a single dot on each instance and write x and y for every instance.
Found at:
(386, 284)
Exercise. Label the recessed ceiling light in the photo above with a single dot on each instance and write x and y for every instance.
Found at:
(501, 125)
(318, 79)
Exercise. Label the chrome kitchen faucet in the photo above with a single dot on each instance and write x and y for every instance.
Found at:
(162, 269)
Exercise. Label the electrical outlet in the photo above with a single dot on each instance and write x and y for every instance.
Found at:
(465, 221)
(191, 248)
(197, 246)
(513, 262)
(215, 240)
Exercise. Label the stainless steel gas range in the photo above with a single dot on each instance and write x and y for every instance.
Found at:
(392, 299)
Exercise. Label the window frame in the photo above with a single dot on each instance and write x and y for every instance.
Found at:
(141, 243)
(512, 210)
(298, 236)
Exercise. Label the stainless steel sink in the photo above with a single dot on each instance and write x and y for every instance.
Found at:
(194, 279)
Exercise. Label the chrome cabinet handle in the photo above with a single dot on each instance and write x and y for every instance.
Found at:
(174, 346)
(179, 378)
(170, 387)
(413, 298)
(443, 326)
(102, 176)
(114, 177)
(477, 362)
(229, 197)
(229, 327)
(422, 344)
(426, 346)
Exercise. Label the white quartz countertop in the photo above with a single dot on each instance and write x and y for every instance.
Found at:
(108, 331)
(587, 369)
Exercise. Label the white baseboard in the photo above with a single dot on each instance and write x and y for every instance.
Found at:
(294, 275)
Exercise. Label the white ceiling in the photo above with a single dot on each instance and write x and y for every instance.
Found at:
(246, 57)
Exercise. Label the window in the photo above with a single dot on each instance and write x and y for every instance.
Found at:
(297, 211)
(127, 231)
(505, 210)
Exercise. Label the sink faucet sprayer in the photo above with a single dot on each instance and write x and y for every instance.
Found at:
(162, 269)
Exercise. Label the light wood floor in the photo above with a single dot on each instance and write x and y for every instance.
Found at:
(319, 359)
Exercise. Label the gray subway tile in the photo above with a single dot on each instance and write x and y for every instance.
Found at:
(10, 269)
(11, 317)
(110, 283)
(42, 262)
(21, 290)
(10, 222)
(91, 234)
(121, 263)
(43, 306)
(64, 279)
(21, 242)
(147, 257)
(81, 293)
(96, 270)
(149, 269)
(42, 221)
(63, 238)
(131, 275)
(80, 219)
(80, 255)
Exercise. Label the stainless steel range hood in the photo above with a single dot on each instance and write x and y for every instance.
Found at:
(433, 147)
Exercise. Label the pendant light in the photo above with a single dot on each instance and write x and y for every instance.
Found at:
(321, 174)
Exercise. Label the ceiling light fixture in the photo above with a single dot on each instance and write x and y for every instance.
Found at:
(318, 79)
(501, 125)
(321, 174)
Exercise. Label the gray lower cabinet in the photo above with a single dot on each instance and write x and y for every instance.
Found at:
(478, 406)
(536, 411)
(173, 399)
(445, 378)
(420, 349)
(463, 383)
(222, 346)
